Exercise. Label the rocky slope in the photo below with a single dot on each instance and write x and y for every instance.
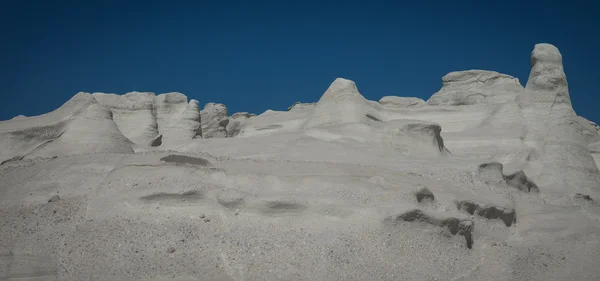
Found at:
(486, 180)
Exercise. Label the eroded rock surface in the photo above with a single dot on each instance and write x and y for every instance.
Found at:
(401, 102)
(492, 173)
(476, 86)
(458, 226)
(553, 134)
(110, 187)
(235, 123)
(214, 120)
(507, 215)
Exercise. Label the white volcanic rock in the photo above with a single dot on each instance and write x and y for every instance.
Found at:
(271, 112)
(299, 105)
(343, 113)
(178, 121)
(134, 115)
(401, 102)
(416, 138)
(214, 120)
(79, 126)
(589, 129)
(274, 122)
(146, 119)
(342, 103)
(369, 188)
(415, 134)
(591, 133)
(476, 86)
(235, 123)
(562, 159)
(238, 115)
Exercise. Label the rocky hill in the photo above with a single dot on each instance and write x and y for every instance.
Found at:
(486, 180)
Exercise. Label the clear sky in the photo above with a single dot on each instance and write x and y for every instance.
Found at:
(258, 55)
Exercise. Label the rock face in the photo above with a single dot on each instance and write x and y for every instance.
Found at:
(214, 120)
(298, 106)
(342, 112)
(476, 86)
(134, 114)
(415, 136)
(178, 121)
(401, 102)
(487, 180)
(492, 174)
(235, 123)
(150, 120)
(589, 129)
(562, 157)
(342, 103)
(80, 126)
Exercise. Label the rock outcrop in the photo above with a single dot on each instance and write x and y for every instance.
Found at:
(476, 86)
(414, 137)
(342, 103)
(79, 126)
(456, 225)
(178, 121)
(235, 123)
(401, 102)
(98, 187)
(490, 211)
(300, 105)
(492, 173)
(214, 120)
(424, 194)
(553, 130)
(134, 114)
(154, 120)
(589, 129)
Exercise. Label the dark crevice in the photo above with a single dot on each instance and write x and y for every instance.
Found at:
(182, 159)
(458, 226)
(373, 118)
(157, 141)
(508, 216)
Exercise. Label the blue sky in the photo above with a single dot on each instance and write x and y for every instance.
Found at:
(258, 55)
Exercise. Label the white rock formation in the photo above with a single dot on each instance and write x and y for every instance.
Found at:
(214, 120)
(476, 86)
(589, 129)
(401, 102)
(591, 133)
(342, 103)
(178, 121)
(80, 126)
(235, 123)
(146, 119)
(299, 105)
(487, 180)
(134, 114)
(560, 158)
